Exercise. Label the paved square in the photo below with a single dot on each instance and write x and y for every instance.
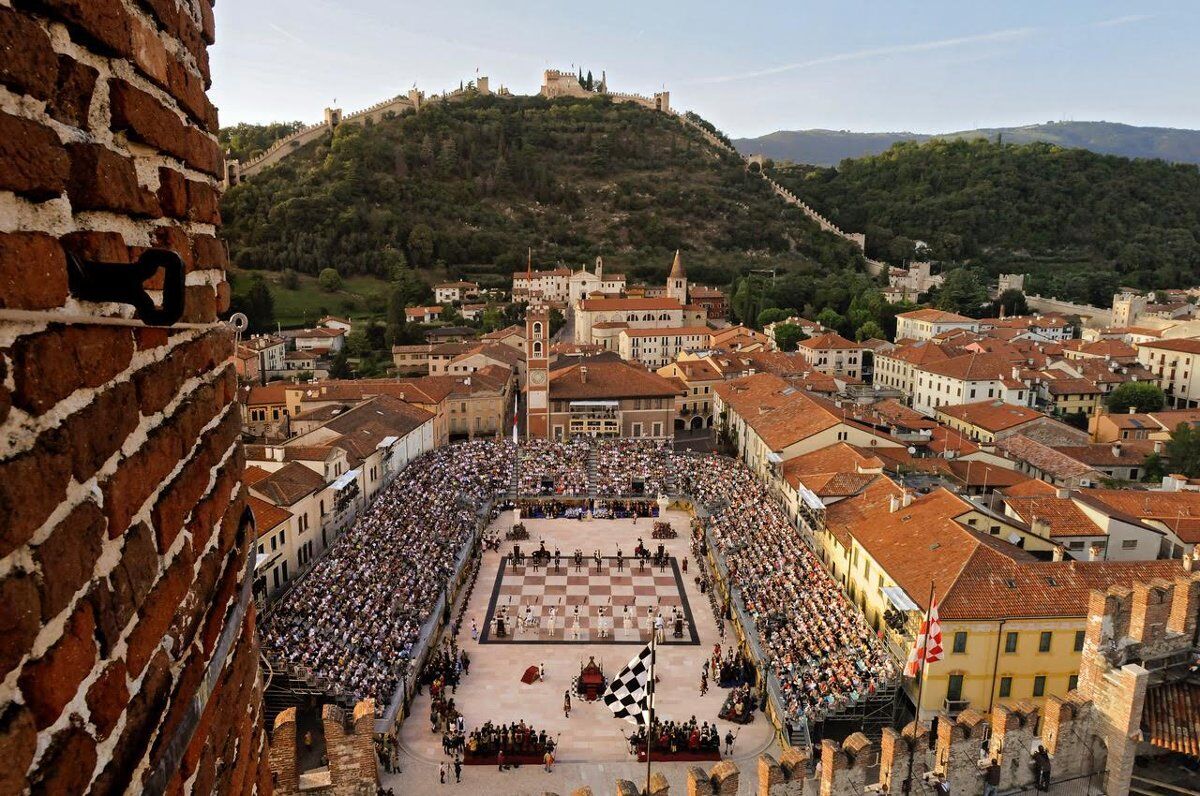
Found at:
(592, 747)
(583, 604)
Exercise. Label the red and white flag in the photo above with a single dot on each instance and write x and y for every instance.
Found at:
(516, 411)
(928, 647)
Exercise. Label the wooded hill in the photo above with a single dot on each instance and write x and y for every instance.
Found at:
(1081, 224)
(463, 190)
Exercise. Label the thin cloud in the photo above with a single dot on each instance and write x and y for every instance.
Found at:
(1125, 20)
(285, 33)
(1012, 34)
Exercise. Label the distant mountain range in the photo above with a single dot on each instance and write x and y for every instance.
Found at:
(830, 147)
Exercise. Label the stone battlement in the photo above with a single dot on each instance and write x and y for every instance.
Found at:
(349, 748)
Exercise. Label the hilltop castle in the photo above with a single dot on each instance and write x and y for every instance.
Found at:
(555, 84)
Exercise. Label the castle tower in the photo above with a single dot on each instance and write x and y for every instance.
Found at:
(537, 368)
(677, 286)
(600, 268)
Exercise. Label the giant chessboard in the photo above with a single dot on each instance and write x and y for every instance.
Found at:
(523, 596)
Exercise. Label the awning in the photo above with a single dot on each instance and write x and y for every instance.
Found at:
(386, 442)
(265, 560)
(898, 598)
(345, 479)
(810, 498)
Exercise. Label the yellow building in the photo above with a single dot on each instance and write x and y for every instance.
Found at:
(1012, 623)
(1073, 396)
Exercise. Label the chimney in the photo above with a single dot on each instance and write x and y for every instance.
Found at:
(583, 374)
(1093, 552)
(1133, 410)
(1041, 526)
(1189, 561)
(1116, 449)
(908, 499)
(1062, 492)
(1058, 553)
(893, 504)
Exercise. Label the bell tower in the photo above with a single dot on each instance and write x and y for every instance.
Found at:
(537, 368)
(677, 283)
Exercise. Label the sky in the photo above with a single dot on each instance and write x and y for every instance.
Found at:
(749, 66)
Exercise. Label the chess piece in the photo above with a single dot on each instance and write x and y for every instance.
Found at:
(553, 615)
(577, 623)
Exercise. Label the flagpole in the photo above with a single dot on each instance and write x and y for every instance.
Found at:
(650, 723)
(912, 747)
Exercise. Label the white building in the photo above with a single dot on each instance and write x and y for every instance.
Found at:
(656, 348)
(452, 292)
(966, 379)
(833, 355)
(927, 323)
(1174, 365)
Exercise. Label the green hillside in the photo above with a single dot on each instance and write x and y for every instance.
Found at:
(466, 189)
(1079, 223)
(830, 147)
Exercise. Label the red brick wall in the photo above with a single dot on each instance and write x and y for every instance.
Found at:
(120, 467)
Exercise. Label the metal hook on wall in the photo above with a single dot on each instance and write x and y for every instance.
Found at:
(122, 283)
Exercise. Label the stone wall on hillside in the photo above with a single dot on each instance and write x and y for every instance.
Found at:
(127, 646)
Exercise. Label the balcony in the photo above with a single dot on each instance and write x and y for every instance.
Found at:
(955, 706)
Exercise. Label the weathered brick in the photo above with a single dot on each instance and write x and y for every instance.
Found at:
(176, 240)
(73, 92)
(100, 428)
(140, 720)
(68, 557)
(148, 121)
(203, 203)
(51, 681)
(224, 297)
(68, 764)
(19, 621)
(18, 743)
(32, 162)
(186, 489)
(157, 384)
(188, 88)
(210, 253)
(101, 179)
(148, 337)
(101, 23)
(149, 53)
(208, 24)
(200, 304)
(52, 364)
(5, 395)
(158, 611)
(116, 599)
(28, 64)
(139, 475)
(106, 247)
(31, 487)
(33, 271)
(178, 23)
(172, 193)
(107, 698)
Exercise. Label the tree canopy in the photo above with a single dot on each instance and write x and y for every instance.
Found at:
(1141, 396)
(469, 186)
(1079, 223)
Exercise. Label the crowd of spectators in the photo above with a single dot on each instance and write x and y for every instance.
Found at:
(352, 620)
(624, 462)
(563, 464)
(819, 646)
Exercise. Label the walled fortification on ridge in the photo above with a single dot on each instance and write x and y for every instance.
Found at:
(555, 84)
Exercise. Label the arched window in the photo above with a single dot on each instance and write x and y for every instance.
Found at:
(537, 348)
(537, 329)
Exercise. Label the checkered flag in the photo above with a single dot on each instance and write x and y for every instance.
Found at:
(628, 693)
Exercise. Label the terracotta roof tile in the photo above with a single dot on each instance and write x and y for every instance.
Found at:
(267, 516)
(992, 416)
